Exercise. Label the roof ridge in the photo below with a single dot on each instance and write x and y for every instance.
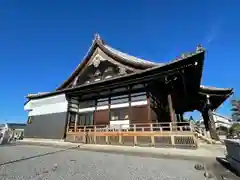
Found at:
(127, 55)
(214, 87)
(223, 116)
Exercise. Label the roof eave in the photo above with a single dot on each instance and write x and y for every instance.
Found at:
(165, 67)
(216, 91)
(79, 67)
(97, 42)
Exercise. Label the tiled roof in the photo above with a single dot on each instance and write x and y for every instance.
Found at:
(130, 58)
(215, 88)
(141, 65)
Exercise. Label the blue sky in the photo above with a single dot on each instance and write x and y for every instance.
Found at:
(42, 41)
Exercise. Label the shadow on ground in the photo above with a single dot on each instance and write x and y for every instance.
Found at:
(36, 156)
(223, 161)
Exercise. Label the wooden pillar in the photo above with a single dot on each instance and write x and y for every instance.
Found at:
(76, 116)
(149, 108)
(109, 108)
(178, 118)
(75, 124)
(181, 117)
(171, 110)
(209, 120)
(129, 106)
(66, 125)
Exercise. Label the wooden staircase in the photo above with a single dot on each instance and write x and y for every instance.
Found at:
(202, 135)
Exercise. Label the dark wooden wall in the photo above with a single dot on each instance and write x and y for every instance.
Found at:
(137, 114)
(101, 117)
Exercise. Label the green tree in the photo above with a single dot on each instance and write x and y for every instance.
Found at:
(235, 129)
(235, 110)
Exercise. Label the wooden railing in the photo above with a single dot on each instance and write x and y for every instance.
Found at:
(144, 134)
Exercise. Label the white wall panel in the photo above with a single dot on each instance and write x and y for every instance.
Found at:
(49, 109)
(119, 105)
(139, 103)
(48, 105)
(119, 124)
(102, 107)
(87, 109)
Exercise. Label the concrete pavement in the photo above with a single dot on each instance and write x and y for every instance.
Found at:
(206, 154)
(28, 162)
(205, 151)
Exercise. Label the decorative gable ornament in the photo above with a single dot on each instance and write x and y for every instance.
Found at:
(199, 48)
(109, 69)
(97, 60)
(97, 73)
(122, 70)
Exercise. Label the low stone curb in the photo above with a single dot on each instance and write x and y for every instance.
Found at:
(58, 145)
(133, 151)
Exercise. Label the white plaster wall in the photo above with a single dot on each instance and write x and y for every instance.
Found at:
(114, 106)
(48, 105)
(119, 124)
(58, 104)
(220, 121)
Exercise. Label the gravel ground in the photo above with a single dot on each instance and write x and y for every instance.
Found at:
(37, 162)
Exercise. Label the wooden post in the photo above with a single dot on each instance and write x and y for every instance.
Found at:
(160, 128)
(85, 134)
(170, 126)
(106, 137)
(149, 108)
(75, 124)
(120, 134)
(94, 136)
(209, 120)
(90, 139)
(181, 117)
(171, 110)
(152, 136)
(68, 120)
(172, 139)
(135, 137)
(171, 134)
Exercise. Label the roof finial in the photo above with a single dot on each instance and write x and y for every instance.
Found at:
(199, 48)
(97, 36)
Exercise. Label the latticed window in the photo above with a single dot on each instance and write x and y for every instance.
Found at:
(102, 102)
(72, 116)
(120, 99)
(119, 114)
(87, 104)
(85, 119)
(138, 97)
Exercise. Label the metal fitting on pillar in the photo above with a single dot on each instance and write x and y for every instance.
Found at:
(208, 99)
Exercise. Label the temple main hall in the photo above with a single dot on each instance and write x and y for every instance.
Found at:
(112, 88)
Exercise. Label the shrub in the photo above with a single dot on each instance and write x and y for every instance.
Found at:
(235, 129)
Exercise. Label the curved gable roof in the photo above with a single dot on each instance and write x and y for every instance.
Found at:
(215, 91)
(123, 58)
